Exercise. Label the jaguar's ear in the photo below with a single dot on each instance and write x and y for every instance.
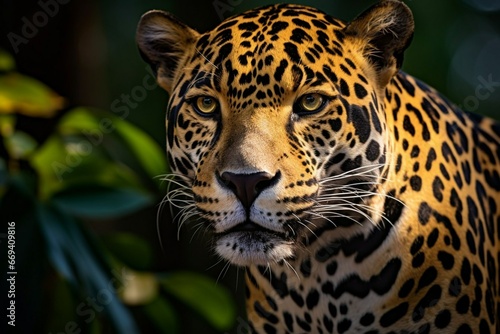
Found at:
(164, 42)
(382, 33)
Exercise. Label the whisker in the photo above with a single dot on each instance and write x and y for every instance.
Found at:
(338, 215)
(197, 227)
(359, 171)
(314, 213)
(180, 198)
(221, 259)
(237, 279)
(291, 267)
(223, 272)
(208, 61)
(362, 206)
(299, 221)
(354, 209)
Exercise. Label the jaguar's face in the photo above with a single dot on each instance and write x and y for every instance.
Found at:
(276, 124)
(254, 152)
(255, 168)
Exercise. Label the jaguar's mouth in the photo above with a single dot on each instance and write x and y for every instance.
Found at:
(249, 243)
(251, 227)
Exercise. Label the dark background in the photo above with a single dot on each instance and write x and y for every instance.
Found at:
(86, 52)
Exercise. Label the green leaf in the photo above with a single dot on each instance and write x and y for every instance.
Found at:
(51, 164)
(98, 125)
(65, 161)
(163, 315)
(89, 120)
(57, 242)
(101, 201)
(71, 255)
(27, 96)
(204, 296)
(146, 150)
(20, 145)
(133, 251)
(62, 307)
(91, 146)
(7, 125)
(7, 62)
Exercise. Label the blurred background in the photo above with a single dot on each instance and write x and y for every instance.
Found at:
(82, 154)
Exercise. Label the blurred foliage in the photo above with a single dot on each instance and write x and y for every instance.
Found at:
(27, 96)
(94, 166)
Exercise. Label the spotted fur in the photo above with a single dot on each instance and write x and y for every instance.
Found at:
(358, 198)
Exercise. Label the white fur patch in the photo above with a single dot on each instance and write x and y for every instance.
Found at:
(253, 248)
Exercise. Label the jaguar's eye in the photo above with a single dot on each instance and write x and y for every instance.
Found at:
(310, 103)
(205, 105)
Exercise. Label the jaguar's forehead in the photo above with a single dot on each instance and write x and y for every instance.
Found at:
(260, 30)
(257, 47)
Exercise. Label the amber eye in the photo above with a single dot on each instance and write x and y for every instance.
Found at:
(310, 103)
(205, 105)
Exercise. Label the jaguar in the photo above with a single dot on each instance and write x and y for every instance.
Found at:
(357, 198)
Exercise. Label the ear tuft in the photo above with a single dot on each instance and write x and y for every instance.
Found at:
(163, 41)
(386, 29)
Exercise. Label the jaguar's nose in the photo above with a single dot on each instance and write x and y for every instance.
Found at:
(247, 187)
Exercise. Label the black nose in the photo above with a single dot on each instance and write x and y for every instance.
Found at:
(248, 186)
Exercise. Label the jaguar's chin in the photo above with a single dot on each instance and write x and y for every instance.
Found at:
(250, 244)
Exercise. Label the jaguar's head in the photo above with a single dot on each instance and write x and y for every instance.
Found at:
(276, 120)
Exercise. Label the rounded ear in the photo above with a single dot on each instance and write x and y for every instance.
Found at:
(383, 32)
(163, 41)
